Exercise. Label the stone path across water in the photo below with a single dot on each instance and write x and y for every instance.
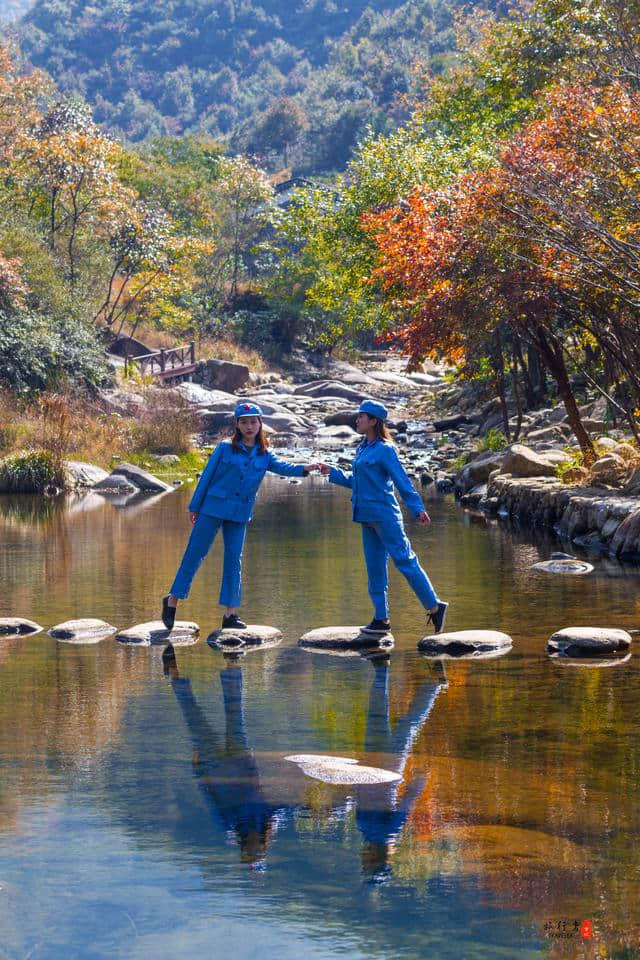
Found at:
(184, 633)
(344, 638)
(88, 630)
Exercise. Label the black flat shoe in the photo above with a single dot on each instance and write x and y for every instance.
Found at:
(233, 622)
(377, 626)
(438, 617)
(168, 615)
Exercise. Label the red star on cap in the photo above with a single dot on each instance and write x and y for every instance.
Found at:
(247, 407)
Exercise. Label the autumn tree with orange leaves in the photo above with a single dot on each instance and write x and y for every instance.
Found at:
(542, 248)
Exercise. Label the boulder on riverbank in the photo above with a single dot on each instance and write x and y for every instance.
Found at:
(578, 641)
(521, 461)
(331, 388)
(80, 474)
(221, 375)
(140, 479)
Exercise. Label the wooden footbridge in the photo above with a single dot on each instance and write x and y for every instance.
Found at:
(167, 364)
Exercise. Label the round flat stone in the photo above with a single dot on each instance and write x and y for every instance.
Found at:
(341, 770)
(87, 630)
(570, 566)
(184, 633)
(592, 641)
(466, 642)
(18, 626)
(343, 638)
(255, 635)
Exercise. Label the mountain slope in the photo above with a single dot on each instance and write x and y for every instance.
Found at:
(216, 65)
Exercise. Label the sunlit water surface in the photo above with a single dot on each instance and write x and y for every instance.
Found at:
(146, 806)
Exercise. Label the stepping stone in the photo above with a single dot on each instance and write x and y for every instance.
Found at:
(184, 633)
(18, 627)
(88, 630)
(342, 770)
(587, 661)
(255, 635)
(563, 563)
(344, 638)
(589, 641)
(467, 643)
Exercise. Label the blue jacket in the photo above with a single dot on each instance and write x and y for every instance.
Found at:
(229, 483)
(376, 468)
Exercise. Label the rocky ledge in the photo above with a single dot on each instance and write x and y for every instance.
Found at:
(592, 517)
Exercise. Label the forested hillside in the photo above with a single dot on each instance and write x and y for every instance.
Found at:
(225, 66)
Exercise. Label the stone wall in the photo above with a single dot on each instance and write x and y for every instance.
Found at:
(588, 516)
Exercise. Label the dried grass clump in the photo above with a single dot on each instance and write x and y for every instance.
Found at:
(164, 425)
(224, 348)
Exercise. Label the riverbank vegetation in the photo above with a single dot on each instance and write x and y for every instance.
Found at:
(38, 435)
(499, 228)
(494, 224)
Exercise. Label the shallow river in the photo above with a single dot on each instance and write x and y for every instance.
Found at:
(147, 810)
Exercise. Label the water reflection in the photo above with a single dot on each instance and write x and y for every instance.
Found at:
(228, 775)
(224, 765)
(383, 810)
(519, 794)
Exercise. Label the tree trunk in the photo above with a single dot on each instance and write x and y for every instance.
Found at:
(517, 354)
(529, 391)
(498, 367)
(538, 376)
(552, 353)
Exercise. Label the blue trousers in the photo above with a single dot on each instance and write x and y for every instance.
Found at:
(200, 542)
(383, 539)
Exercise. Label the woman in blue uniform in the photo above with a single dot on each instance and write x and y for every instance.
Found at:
(376, 469)
(224, 498)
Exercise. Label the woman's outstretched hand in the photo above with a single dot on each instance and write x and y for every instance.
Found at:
(423, 518)
(309, 467)
(324, 469)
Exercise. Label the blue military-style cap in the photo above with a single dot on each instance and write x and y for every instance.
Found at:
(247, 410)
(374, 409)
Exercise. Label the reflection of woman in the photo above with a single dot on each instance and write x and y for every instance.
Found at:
(227, 772)
(224, 498)
(382, 810)
(376, 469)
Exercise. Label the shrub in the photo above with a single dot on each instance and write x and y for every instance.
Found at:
(31, 473)
(495, 440)
(37, 354)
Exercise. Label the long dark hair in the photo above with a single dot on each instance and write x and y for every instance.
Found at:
(261, 439)
(382, 431)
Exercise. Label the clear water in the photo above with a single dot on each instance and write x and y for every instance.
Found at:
(146, 809)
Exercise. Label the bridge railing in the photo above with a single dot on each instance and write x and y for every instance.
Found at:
(163, 363)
